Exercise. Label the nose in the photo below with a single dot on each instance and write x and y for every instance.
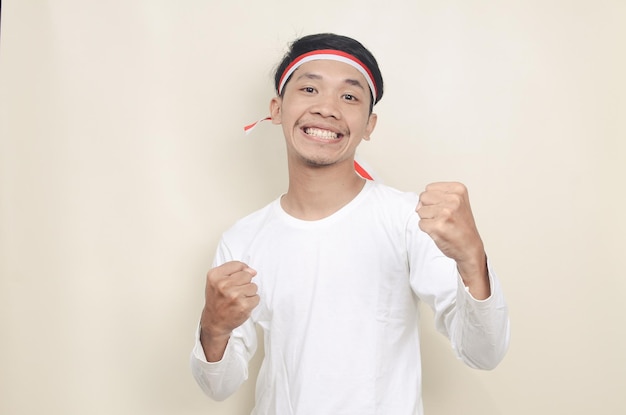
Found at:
(327, 106)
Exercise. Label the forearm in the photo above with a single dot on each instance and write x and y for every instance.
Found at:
(213, 346)
(222, 378)
(479, 329)
(475, 276)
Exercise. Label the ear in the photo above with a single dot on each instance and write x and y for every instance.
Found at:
(275, 113)
(371, 124)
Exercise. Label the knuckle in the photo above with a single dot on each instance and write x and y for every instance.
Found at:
(232, 296)
(244, 312)
(455, 201)
(221, 285)
(460, 188)
(446, 212)
(214, 275)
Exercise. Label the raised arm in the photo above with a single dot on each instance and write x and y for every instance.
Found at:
(226, 338)
(230, 297)
(461, 289)
(446, 216)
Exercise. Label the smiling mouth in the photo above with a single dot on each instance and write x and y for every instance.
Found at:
(322, 134)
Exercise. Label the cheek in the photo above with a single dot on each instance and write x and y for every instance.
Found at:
(291, 116)
(360, 124)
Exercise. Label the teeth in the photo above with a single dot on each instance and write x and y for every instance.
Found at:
(324, 134)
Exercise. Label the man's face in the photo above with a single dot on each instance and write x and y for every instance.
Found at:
(324, 113)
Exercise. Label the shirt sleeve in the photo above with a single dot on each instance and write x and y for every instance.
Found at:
(478, 329)
(219, 380)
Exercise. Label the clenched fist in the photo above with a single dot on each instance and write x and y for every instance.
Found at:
(230, 297)
(445, 214)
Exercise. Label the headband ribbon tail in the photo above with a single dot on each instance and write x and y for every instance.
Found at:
(248, 128)
(361, 171)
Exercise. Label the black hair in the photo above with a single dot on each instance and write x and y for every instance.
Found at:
(332, 41)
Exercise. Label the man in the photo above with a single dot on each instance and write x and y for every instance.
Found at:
(333, 270)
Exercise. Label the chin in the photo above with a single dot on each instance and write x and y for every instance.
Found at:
(316, 162)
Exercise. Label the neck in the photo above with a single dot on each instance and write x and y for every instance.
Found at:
(317, 192)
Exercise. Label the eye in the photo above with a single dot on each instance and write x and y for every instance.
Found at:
(349, 97)
(308, 89)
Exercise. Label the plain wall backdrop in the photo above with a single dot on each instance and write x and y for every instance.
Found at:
(123, 159)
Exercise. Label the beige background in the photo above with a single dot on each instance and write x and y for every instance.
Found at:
(122, 160)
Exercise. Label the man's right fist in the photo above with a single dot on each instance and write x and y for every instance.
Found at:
(230, 297)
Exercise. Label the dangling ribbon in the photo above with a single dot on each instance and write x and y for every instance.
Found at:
(361, 171)
(248, 128)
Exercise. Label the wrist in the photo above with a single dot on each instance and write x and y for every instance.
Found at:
(212, 332)
(474, 268)
(207, 336)
(213, 345)
(475, 276)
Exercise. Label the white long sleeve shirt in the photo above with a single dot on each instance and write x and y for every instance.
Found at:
(339, 310)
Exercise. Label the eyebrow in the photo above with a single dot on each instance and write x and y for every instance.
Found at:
(317, 77)
(355, 82)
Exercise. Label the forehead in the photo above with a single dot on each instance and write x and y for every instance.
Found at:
(330, 70)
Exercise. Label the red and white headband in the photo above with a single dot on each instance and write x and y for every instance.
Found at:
(333, 55)
(321, 54)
